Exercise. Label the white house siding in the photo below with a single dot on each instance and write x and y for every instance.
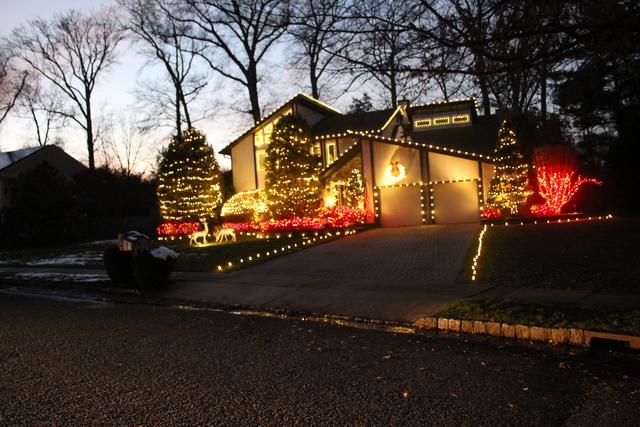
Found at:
(243, 165)
(488, 170)
(409, 158)
(456, 202)
(367, 175)
(443, 167)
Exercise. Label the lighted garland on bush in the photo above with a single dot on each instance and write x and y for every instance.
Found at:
(251, 204)
(291, 171)
(188, 181)
(509, 184)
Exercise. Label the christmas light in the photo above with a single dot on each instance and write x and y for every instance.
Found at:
(557, 179)
(291, 179)
(476, 258)
(508, 186)
(178, 228)
(251, 203)
(189, 180)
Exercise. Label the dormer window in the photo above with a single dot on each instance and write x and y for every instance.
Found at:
(441, 121)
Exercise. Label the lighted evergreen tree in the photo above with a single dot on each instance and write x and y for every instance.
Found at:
(354, 189)
(189, 179)
(291, 171)
(508, 186)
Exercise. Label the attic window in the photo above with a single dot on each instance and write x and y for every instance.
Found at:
(431, 122)
(422, 123)
(462, 118)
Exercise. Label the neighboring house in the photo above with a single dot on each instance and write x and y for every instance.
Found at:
(422, 164)
(14, 163)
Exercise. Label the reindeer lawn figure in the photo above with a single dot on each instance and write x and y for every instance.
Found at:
(202, 234)
(223, 233)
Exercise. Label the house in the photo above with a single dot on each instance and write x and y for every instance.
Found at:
(421, 164)
(14, 163)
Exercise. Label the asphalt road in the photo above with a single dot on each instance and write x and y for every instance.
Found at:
(67, 362)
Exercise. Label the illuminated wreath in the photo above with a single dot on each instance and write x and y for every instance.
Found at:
(395, 172)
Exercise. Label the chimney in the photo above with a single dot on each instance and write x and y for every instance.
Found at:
(404, 103)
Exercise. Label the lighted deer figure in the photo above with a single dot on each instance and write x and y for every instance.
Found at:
(202, 234)
(223, 233)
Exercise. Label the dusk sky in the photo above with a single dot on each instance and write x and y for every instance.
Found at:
(115, 86)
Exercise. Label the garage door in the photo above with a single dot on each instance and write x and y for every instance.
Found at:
(400, 206)
(456, 202)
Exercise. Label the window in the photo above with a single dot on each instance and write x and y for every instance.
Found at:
(315, 150)
(422, 123)
(261, 158)
(262, 136)
(331, 152)
(439, 121)
(462, 118)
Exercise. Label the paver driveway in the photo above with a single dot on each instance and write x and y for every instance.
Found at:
(397, 274)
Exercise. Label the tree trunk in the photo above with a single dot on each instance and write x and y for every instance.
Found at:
(315, 92)
(252, 86)
(92, 164)
(178, 116)
(543, 93)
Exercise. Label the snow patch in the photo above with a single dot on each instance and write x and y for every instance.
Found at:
(83, 258)
(62, 277)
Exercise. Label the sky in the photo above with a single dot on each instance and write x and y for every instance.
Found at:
(114, 91)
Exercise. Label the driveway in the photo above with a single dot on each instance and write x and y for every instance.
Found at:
(398, 274)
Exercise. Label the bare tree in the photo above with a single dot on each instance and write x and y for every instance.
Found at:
(507, 44)
(241, 31)
(121, 140)
(12, 82)
(382, 49)
(70, 52)
(315, 31)
(42, 107)
(163, 42)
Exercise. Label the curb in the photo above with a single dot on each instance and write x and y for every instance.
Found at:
(573, 336)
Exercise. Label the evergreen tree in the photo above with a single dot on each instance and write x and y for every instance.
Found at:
(354, 190)
(508, 186)
(189, 183)
(291, 179)
(361, 105)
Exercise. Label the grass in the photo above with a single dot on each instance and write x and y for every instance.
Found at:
(207, 258)
(543, 314)
(590, 255)
(196, 259)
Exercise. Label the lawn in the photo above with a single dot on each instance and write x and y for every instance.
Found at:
(542, 314)
(590, 255)
(200, 259)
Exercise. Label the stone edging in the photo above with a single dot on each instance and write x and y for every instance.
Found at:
(573, 336)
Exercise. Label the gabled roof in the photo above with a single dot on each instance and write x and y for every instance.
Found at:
(481, 137)
(370, 121)
(7, 158)
(12, 163)
(301, 98)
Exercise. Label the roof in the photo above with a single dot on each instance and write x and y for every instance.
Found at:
(7, 158)
(481, 137)
(12, 163)
(301, 98)
(372, 121)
